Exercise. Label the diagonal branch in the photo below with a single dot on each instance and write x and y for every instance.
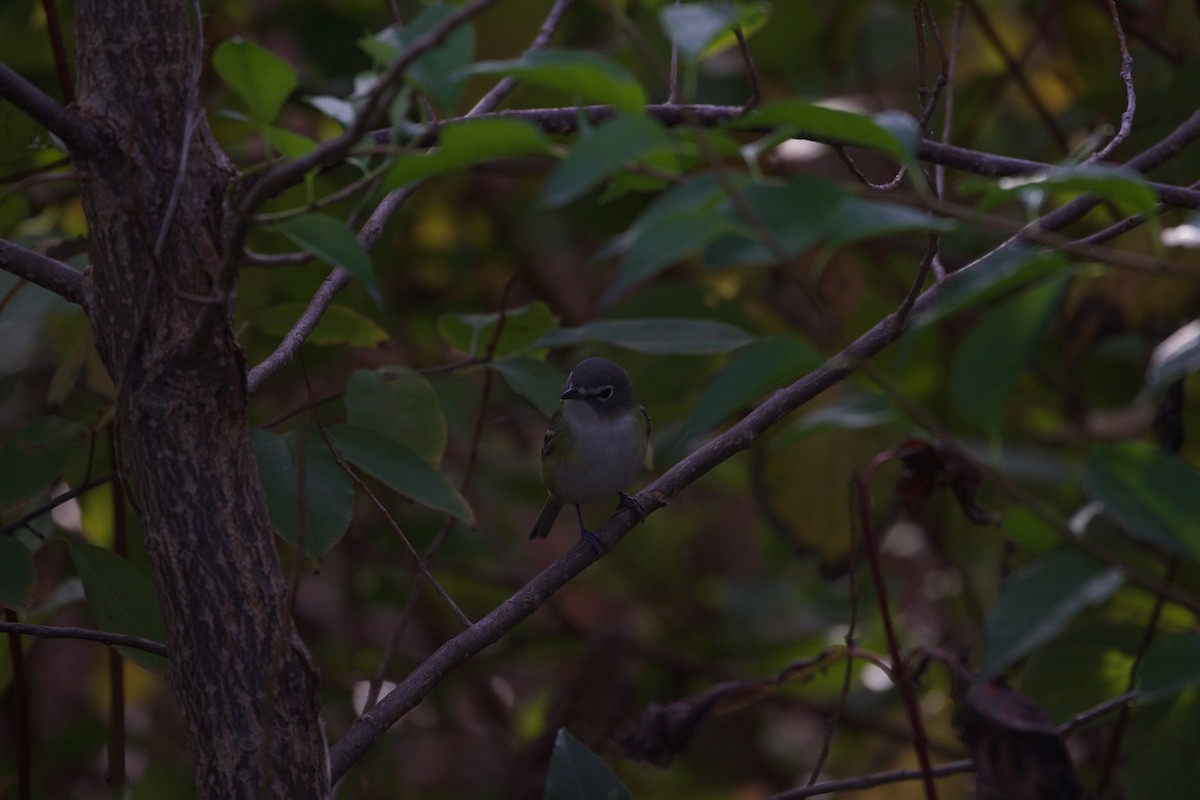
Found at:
(46, 272)
(74, 130)
(369, 727)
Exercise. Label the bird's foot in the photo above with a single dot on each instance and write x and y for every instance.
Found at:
(593, 540)
(633, 505)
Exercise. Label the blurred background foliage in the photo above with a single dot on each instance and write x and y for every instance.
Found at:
(747, 571)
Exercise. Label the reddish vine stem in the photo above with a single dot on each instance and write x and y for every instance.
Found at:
(22, 726)
(901, 675)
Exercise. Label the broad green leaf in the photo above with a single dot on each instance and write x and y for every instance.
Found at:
(538, 382)
(658, 336)
(439, 71)
(994, 354)
(671, 238)
(1038, 601)
(400, 403)
(331, 241)
(328, 491)
(851, 413)
(121, 599)
(588, 76)
(339, 325)
(34, 457)
(998, 273)
(576, 773)
(1176, 356)
(1088, 663)
(829, 125)
(16, 573)
(402, 470)
(260, 78)
(466, 143)
(1171, 665)
(1122, 187)
(1161, 752)
(704, 29)
(473, 334)
(857, 219)
(798, 215)
(602, 153)
(1153, 495)
(700, 191)
(288, 143)
(756, 369)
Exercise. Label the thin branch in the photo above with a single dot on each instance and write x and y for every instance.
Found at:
(21, 723)
(75, 131)
(1014, 70)
(61, 65)
(501, 90)
(877, 779)
(751, 70)
(46, 272)
(86, 634)
(1127, 79)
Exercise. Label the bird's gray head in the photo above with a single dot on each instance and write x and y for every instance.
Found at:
(602, 384)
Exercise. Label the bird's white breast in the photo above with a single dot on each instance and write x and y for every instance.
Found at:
(607, 455)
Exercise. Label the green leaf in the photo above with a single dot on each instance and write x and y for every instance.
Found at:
(699, 191)
(1118, 185)
(1176, 356)
(474, 333)
(16, 573)
(797, 214)
(756, 369)
(260, 78)
(1153, 495)
(1088, 663)
(602, 153)
(829, 125)
(582, 74)
(1161, 753)
(466, 143)
(121, 599)
(852, 413)
(669, 239)
(330, 240)
(1038, 601)
(400, 403)
(576, 773)
(994, 354)
(328, 490)
(289, 144)
(538, 382)
(1171, 665)
(657, 336)
(857, 219)
(339, 325)
(399, 468)
(704, 29)
(34, 457)
(439, 71)
(997, 274)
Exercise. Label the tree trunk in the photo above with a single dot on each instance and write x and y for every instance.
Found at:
(243, 680)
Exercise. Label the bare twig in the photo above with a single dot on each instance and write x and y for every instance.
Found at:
(1127, 79)
(42, 270)
(87, 634)
(501, 90)
(21, 722)
(751, 70)
(62, 66)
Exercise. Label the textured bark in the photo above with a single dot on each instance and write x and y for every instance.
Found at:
(243, 680)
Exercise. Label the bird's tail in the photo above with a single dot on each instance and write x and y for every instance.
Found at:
(545, 520)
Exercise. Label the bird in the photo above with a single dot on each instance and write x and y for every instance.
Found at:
(595, 445)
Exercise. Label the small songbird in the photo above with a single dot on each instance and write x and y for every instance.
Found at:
(596, 444)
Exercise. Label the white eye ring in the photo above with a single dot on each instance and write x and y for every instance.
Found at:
(605, 393)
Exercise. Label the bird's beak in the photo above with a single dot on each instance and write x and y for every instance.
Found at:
(570, 394)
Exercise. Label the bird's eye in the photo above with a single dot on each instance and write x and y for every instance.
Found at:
(605, 393)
